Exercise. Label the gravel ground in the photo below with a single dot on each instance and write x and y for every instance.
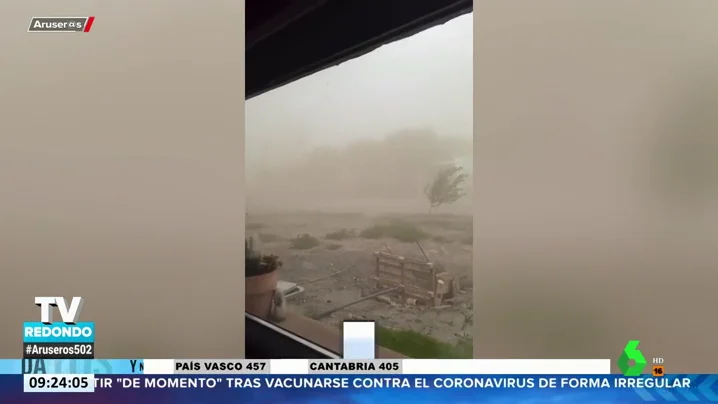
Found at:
(447, 245)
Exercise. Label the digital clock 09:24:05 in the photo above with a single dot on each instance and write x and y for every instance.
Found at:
(59, 383)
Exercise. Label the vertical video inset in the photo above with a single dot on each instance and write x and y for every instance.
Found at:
(359, 198)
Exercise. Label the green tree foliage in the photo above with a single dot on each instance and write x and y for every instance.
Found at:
(447, 187)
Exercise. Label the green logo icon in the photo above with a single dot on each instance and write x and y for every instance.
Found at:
(631, 353)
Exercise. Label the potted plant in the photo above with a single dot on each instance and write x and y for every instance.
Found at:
(261, 276)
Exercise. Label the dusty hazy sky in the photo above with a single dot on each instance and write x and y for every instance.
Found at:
(422, 81)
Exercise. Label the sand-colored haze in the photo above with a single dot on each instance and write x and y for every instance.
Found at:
(596, 217)
(121, 158)
(366, 176)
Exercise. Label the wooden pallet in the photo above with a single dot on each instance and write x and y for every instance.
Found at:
(416, 279)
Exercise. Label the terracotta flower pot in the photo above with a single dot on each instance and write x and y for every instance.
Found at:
(259, 291)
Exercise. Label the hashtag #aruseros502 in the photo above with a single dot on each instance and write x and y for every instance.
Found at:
(59, 351)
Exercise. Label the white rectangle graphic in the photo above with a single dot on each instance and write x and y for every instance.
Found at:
(159, 366)
(359, 340)
(472, 366)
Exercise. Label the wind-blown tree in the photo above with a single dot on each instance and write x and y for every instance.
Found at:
(393, 167)
(446, 188)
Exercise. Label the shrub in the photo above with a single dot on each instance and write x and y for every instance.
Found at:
(332, 247)
(341, 234)
(304, 242)
(256, 263)
(268, 237)
(402, 231)
(468, 240)
(254, 226)
(448, 222)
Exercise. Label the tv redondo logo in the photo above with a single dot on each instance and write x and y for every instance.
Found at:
(70, 330)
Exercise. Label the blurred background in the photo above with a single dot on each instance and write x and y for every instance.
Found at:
(121, 161)
(596, 176)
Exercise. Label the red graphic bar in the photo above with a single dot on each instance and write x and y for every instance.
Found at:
(88, 24)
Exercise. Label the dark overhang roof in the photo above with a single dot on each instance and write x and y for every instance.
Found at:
(290, 39)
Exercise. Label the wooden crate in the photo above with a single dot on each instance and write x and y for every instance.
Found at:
(417, 279)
